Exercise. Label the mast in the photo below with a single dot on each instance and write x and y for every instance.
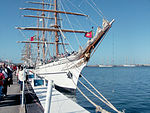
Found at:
(41, 42)
(63, 12)
(29, 54)
(39, 3)
(56, 26)
(33, 16)
(29, 50)
(43, 25)
(49, 29)
(26, 51)
(38, 44)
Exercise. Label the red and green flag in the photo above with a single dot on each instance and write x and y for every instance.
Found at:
(33, 38)
(89, 34)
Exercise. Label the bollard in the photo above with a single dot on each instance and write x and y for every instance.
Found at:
(35, 75)
(24, 77)
(48, 97)
(44, 82)
(22, 103)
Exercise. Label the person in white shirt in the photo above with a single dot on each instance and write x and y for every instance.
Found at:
(21, 77)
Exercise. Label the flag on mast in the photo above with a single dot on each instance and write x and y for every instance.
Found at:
(33, 38)
(89, 34)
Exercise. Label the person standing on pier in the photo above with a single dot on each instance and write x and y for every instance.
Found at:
(21, 76)
(2, 78)
(0, 68)
(10, 75)
(4, 71)
(17, 72)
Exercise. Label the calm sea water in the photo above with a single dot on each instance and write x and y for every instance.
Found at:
(126, 88)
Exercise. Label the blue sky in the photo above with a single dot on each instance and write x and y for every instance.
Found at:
(128, 41)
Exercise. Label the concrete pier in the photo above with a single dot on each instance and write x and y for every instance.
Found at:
(35, 100)
(11, 103)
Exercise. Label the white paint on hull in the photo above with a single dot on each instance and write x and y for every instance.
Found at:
(57, 71)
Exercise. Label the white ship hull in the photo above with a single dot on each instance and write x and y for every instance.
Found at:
(64, 73)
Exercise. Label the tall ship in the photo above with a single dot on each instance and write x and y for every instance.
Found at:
(54, 61)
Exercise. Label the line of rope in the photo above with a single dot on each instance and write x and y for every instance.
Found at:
(102, 15)
(50, 40)
(75, 6)
(63, 45)
(62, 35)
(81, 2)
(70, 24)
(80, 26)
(109, 104)
(46, 24)
(66, 39)
(98, 108)
(88, 16)
(93, 21)
(98, 44)
(98, 9)
(47, 48)
(49, 1)
(104, 101)
(94, 9)
(22, 33)
(93, 92)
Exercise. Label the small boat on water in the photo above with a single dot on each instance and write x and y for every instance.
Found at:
(64, 67)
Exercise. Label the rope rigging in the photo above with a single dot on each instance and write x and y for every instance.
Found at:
(103, 99)
(98, 45)
(65, 39)
(98, 9)
(100, 14)
(70, 24)
(98, 108)
(100, 96)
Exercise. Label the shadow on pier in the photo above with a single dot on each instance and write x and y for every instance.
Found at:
(11, 100)
(11, 103)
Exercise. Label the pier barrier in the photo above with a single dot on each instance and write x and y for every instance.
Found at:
(48, 97)
(24, 78)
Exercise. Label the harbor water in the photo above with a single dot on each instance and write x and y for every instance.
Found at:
(127, 88)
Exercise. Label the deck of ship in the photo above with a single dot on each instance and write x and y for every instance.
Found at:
(59, 102)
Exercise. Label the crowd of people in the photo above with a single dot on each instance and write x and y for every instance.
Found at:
(6, 78)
